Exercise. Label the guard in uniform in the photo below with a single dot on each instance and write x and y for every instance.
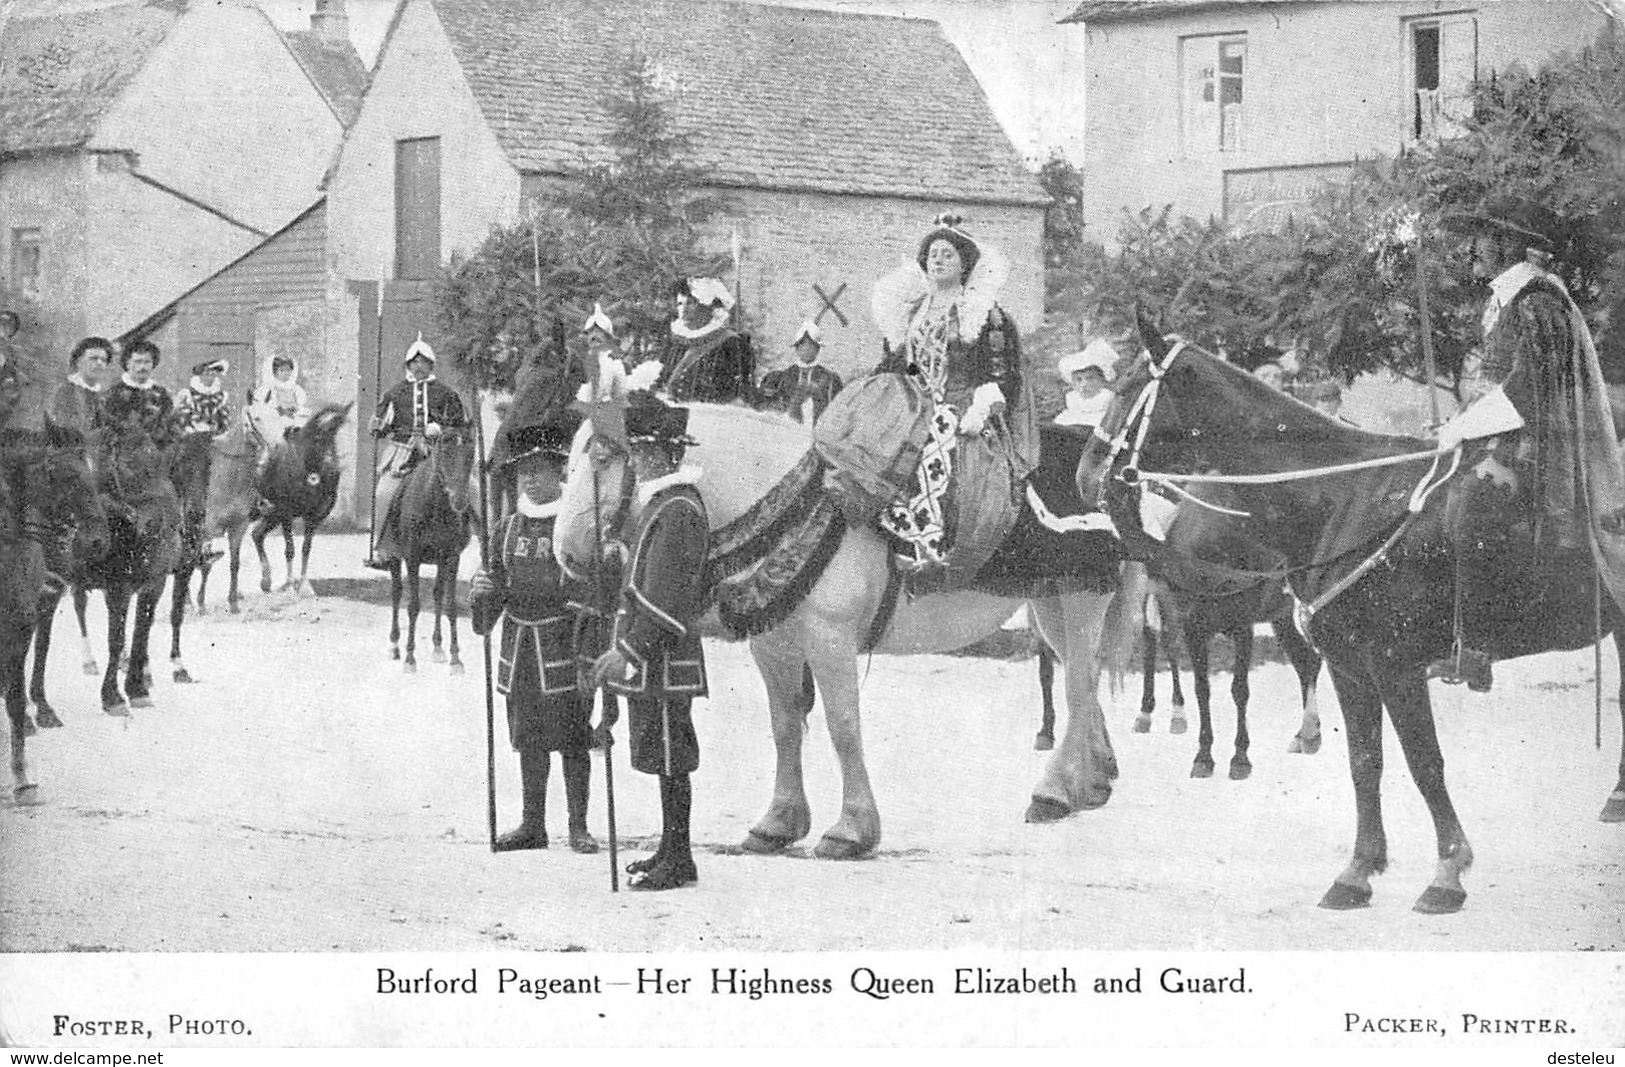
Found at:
(657, 661)
(709, 362)
(412, 412)
(805, 389)
(547, 712)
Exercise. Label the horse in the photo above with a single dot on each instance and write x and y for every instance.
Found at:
(431, 522)
(1209, 580)
(229, 507)
(301, 483)
(1199, 619)
(57, 484)
(190, 468)
(1367, 549)
(834, 621)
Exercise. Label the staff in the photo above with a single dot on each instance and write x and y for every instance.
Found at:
(377, 391)
(490, 696)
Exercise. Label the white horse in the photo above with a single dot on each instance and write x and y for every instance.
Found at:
(740, 455)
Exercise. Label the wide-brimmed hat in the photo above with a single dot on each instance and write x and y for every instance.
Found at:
(420, 347)
(550, 435)
(946, 227)
(1535, 224)
(1098, 354)
(219, 365)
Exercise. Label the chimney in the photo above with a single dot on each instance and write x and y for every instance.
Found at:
(330, 23)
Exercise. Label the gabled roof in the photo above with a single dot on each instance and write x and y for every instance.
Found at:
(778, 97)
(1102, 12)
(335, 69)
(60, 73)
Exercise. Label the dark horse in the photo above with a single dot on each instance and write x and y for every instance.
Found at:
(1209, 579)
(431, 521)
(57, 486)
(1378, 577)
(1210, 598)
(301, 483)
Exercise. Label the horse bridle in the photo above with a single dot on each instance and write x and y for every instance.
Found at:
(1136, 423)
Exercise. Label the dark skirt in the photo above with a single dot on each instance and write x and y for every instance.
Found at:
(662, 736)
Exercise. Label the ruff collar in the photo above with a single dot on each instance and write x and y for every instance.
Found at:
(532, 510)
(78, 378)
(205, 390)
(898, 296)
(150, 383)
(719, 320)
(1508, 284)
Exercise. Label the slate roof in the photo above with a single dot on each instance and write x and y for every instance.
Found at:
(782, 98)
(60, 73)
(335, 69)
(1102, 12)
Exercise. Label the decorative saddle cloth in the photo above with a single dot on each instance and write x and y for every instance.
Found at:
(763, 563)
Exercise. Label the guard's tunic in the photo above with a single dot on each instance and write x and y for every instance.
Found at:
(537, 667)
(661, 601)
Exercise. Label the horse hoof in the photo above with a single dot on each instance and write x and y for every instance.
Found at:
(457, 667)
(234, 608)
(762, 845)
(140, 702)
(1614, 810)
(27, 795)
(1307, 746)
(1043, 743)
(29, 729)
(265, 585)
(1240, 772)
(394, 653)
(411, 666)
(201, 610)
(1344, 897)
(91, 668)
(183, 676)
(307, 591)
(1440, 900)
(1047, 809)
(119, 710)
(437, 656)
(1201, 770)
(1177, 725)
(47, 719)
(833, 848)
(1142, 725)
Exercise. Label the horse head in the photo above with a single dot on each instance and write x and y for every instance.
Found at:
(598, 485)
(453, 461)
(313, 441)
(190, 458)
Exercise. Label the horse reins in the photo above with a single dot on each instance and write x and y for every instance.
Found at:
(1138, 423)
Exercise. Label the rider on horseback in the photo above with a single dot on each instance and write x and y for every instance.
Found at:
(947, 409)
(1541, 443)
(413, 413)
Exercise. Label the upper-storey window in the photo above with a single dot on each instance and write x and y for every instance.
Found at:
(1441, 56)
(1214, 69)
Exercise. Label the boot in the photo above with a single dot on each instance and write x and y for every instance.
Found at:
(673, 864)
(577, 777)
(532, 829)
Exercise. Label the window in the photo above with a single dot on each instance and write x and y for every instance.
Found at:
(1213, 70)
(417, 208)
(1442, 61)
(26, 260)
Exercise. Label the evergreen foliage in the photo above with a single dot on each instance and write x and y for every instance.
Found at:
(622, 233)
